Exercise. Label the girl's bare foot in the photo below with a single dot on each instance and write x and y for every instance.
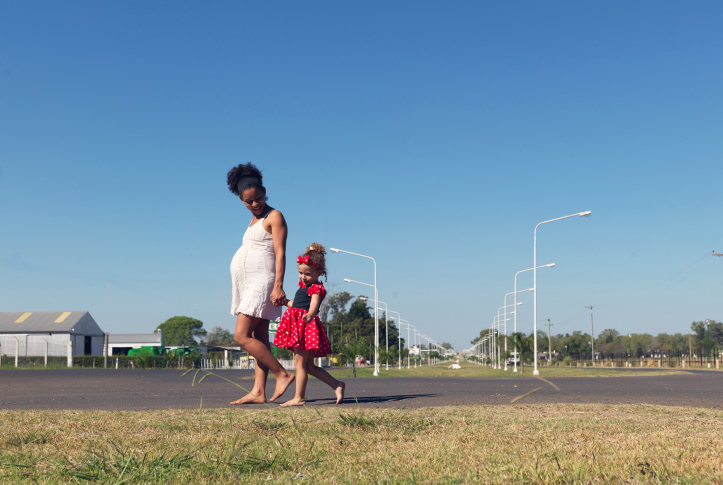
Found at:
(294, 402)
(251, 398)
(339, 391)
(281, 385)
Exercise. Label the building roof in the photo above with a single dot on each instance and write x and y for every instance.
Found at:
(135, 338)
(48, 322)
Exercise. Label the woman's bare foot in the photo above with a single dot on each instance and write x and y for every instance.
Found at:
(281, 385)
(339, 391)
(294, 402)
(252, 397)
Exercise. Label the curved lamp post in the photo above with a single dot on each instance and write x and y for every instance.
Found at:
(405, 322)
(534, 277)
(708, 324)
(386, 317)
(376, 299)
(551, 265)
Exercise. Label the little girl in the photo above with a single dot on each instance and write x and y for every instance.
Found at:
(301, 330)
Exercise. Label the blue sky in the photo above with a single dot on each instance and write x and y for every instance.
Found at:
(432, 136)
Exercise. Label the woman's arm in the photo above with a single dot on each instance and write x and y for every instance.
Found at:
(313, 308)
(277, 228)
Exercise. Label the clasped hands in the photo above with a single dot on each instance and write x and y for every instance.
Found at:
(278, 297)
(283, 301)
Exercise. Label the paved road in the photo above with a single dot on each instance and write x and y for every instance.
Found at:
(166, 389)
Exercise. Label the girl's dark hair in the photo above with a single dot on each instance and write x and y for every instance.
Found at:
(316, 253)
(245, 176)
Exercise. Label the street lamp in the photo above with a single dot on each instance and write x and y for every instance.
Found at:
(415, 337)
(630, 353)
(515, 313)
(707, 322)
(534, 277)
(376, 300)
(506, 320)
(386, 318)
(551, 265)
(419, 346)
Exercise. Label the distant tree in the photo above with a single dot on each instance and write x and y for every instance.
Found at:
(219, 336)
(522, 342)
(608, 336)
(181, 331)
(446, 345)
(701, 333)
(482, 334)
(350, 351)
(334, 306)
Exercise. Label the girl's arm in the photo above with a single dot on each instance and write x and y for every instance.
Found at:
(277, 228)
(313, 308)
(289, 303)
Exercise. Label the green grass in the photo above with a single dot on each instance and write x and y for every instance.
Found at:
(472, 370)
(556, 443)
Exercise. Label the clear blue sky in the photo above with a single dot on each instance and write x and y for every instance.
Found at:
(433, 136)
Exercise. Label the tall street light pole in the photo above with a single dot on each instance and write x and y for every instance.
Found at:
(534, 277)
(386, 319)
(399, 337)
(551, 265)
(417, 333)
(404, 322)
(415, 337)
(592, 338)
(376, 300)
(707, 324)
(505, 321)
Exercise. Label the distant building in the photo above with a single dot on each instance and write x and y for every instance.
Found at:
(29, 332)
(121, 343)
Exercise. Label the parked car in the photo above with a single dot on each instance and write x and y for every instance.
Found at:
(360, 360)
(513, 359)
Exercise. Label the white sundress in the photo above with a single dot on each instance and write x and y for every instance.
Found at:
(253, 271)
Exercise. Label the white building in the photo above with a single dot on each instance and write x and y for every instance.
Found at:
(28, 332)
(121, 343)
(414, 350)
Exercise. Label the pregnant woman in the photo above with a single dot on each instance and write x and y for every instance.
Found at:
(257, 276)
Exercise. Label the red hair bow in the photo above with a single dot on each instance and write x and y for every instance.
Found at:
(306, 260)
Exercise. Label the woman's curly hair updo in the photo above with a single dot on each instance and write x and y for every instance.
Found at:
(316, 253)
(245, 176)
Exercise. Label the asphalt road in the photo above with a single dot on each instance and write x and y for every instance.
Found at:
(135, 390)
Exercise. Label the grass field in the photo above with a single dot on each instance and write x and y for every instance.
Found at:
(478, 444)
(473, 370)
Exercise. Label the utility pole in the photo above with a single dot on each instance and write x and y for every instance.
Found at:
(592, 338)
(549, 340)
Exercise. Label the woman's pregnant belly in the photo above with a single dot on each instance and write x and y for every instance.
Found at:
(253, 267)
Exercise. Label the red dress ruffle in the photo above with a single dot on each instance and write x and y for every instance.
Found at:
(315, 290)
(295, 332)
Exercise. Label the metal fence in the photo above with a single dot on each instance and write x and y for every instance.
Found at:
(34, 345)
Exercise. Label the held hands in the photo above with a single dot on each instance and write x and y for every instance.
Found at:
(278, 297)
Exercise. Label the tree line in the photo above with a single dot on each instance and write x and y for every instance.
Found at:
(612, 344)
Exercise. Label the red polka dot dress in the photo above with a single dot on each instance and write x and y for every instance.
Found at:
(295, 332)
